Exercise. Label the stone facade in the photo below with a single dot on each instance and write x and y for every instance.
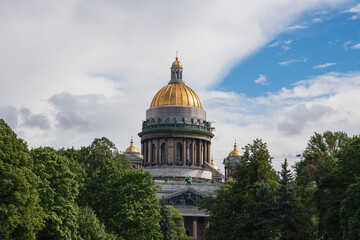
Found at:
(176, 146)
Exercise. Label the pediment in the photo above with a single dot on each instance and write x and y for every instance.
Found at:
(185, 197)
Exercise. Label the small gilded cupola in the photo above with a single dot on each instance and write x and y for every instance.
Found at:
(132, 148)
(176, 71)
(213, 164)
(235, 152)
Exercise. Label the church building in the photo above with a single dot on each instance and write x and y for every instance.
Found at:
(176, 149)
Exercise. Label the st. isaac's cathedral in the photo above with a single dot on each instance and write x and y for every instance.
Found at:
(176, 149)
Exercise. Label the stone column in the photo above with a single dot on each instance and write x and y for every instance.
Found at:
(201, 153)
(195, 227)
(174, 155)
(184, 153)
(142, 148)
(192, 152)
(206, 152)
(142, 152)
(150, 152)
(157, 152)
(166, 151)
(209, 152)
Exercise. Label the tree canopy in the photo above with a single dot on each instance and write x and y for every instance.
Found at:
(94, 193)
(20, 211)
(244, 206)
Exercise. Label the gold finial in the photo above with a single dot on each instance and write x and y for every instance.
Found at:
(235, 152)
(177, 63)
(131, 148)
(212, 162)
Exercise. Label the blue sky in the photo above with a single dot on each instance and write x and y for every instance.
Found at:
(280, 70)
(320, 42)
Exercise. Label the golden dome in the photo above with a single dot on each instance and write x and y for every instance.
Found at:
(131, 148)
(212, 164)
(235, 152)
(176, 93)
(176, 63)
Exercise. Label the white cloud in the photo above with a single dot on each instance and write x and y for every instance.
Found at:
(290, 61)
(261, 79)
(324, 65)
(355, 10)
(286, 119)
(356, 46)
(275, 44)
(91, 70)
(317, 20)
(346, 44)
(297, 27)
(278, 43)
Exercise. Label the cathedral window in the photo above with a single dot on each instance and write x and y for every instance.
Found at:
(162, 155)
(188, 158)
(179, 153)
(153, 154)
(196, 154)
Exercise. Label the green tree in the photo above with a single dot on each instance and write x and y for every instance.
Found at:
(232, 211)
(287, 206)
(58, 190)
(125, 201)
(93, 159)
(316, 173)
(257, 162)
(176, 222)
(348, 165)
(350, 212)
(20, 212)
(90, 228)
(265, 217)
(347, 173)
(96, 156)
(166, 227)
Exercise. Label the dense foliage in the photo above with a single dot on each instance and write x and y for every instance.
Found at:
(245, 206)
(94, 193)
(87, 193)
(20, 211)
(321, 202)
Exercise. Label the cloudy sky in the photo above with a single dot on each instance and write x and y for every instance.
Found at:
(280, 70)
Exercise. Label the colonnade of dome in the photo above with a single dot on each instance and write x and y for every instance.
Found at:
(176, 134)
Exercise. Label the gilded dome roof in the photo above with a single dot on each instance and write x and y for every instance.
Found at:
(131, 148)
(176, 93)
(213, 164)
(235, 152)
(176, 63)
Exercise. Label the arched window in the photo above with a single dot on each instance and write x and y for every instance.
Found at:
(177, 75)
(179, 153)
(153, 154)
(196, 154)
(189, 157)
(172, 75)
(180, 75)
(203, 153)
(162, 155)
